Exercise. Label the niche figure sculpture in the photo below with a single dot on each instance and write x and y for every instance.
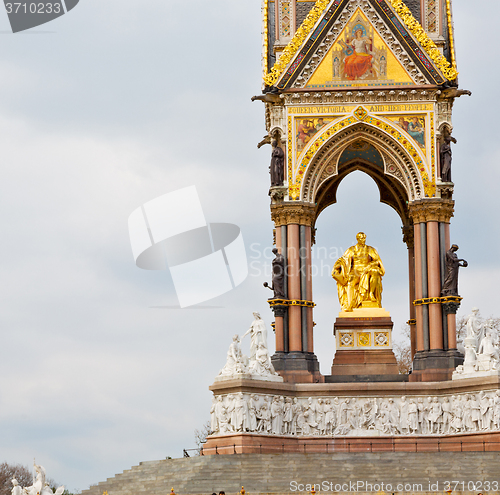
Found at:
(277, 165)
(453, 263)
(445, 158)
(359, 275)
(278, 276)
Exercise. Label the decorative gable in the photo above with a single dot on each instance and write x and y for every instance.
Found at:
(385, 30)
(360, 57)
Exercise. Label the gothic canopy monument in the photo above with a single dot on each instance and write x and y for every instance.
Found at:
(363, 85)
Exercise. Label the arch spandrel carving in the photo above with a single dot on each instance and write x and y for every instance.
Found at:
(403, 164)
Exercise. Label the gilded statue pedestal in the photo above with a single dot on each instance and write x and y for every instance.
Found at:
(364, 347)
(363, 329)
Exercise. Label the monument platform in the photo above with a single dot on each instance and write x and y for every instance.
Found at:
(371, 416)
(276, 473)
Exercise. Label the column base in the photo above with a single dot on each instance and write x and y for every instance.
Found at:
(297, 367)
(435, 365)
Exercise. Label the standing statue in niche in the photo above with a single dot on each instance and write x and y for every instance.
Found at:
(277, 165)
(445, 158)
(453, 263)
(359, 275)
(278, 276)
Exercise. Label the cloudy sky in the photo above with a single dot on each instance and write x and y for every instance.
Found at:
(115, 104)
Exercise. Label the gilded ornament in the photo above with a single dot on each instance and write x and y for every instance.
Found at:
(429, 46)
(363, 339)
(314, 146)
(359, 275)
(381, 339)
(450, 34)
(295, 43)
(360, 113)
(346, 340)
(448, 70)
(265, 35)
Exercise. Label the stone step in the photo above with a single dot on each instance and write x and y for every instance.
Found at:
(272, 473)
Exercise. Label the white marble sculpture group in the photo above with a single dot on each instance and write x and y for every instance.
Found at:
(39, 486)
(481, 349)
(355, 416)
(259, 365)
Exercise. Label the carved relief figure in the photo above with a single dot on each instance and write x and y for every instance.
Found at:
(264, 417)
(447, 416)
(276, 416)
(238, 413)
(435, 413)
(413, 416)
(310, 416)
(253, 404)
(404, 415)
(214, 424)
(359, 275)
(296, 411)
(329, 417)
(287, 416)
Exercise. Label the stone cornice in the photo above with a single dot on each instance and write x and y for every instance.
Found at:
(432, 210)
(293, 213)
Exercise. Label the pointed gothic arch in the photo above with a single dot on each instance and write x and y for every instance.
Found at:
(399, 182)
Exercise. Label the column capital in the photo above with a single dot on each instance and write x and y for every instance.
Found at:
(296, 213)
(431, 210)
(409, 236)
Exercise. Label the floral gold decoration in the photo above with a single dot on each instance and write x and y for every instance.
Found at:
(295, 43)
(448, 70)
(430, 47)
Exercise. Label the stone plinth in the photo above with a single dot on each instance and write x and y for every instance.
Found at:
(253, 416)
(297, 367)
(246, 443)
(363, 340)
(435, 365)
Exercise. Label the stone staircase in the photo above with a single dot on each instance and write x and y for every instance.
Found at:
(284, 473)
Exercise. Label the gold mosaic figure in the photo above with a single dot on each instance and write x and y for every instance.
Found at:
(359, 275)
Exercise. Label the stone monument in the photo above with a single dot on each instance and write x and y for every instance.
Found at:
(39, 486)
